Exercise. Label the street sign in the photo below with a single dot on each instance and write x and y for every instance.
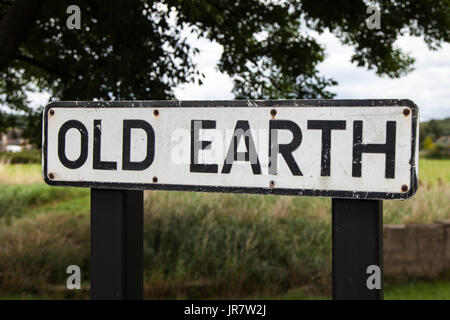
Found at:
(359, 149)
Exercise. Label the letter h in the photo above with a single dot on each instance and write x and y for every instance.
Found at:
(387, 148)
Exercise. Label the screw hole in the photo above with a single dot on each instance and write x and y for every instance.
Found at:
(155, 179)
(272, 183)
(52, 112)
(156, 112)
(406, 112)
(404, 188)
(273, 112)
(51, 176)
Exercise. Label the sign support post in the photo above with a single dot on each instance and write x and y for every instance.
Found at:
(116, 244)
(357, 232)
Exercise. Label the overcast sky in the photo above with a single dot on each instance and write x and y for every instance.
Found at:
(428, 85)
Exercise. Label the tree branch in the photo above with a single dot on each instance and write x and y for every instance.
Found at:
(41, 65)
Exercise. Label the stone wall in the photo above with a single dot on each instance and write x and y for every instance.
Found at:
(421, 250)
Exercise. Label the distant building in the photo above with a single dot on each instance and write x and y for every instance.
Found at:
(443, 141)
(12, 141)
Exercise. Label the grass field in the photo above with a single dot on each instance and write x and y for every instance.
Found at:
(411, 290)
(196, 245)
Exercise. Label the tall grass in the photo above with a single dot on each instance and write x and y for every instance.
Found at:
(434, 171)
(23, 174)
(22, 188)
(430, 203)
(204, 245)
(196, 245)
(36, 250)
(16, 200)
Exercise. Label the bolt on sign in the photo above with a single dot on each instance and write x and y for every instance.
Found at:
(359, 149)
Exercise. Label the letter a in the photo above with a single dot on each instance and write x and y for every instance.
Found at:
(374, 21)
(74, 20)
(374, 281)
(74, 281)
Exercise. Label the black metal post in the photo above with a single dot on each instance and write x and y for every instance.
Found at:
(116, 244)
(357, 227)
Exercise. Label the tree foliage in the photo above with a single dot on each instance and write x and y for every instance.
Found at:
(139, 49)
(428, 144)
(433, 130)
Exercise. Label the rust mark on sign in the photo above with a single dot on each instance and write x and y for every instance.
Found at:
(406, 112)
(273, 113)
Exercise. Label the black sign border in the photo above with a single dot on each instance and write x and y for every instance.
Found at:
(240, 103)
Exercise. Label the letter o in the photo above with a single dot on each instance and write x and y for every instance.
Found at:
(72, 124)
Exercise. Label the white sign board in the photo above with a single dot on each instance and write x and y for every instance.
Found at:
(364, 149)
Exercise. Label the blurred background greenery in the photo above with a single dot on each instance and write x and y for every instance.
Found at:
(197, 245)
